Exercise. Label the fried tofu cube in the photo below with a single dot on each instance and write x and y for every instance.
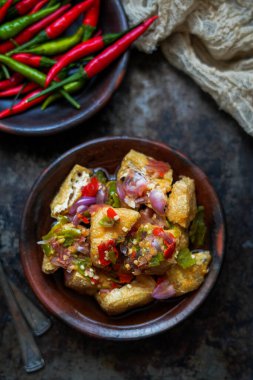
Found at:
(154, 175)
(47, 266)
(100, 234)
(136, 294)
(189, 279)
(79, 283)
(182, 206)
(70, 190)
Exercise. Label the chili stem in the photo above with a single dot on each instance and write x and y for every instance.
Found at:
(6, 72)
(70, 99)
(75, 77)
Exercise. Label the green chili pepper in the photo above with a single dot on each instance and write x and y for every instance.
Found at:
(70, 89)
(106, 222)
(60, 222)
(12, 28)
(57, 46)
(113, 198)
(101, 176)
(33, 75)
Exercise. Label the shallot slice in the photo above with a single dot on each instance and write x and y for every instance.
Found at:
(158, 201)
(164, 290)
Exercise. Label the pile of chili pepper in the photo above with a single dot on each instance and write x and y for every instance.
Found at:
(39, 62)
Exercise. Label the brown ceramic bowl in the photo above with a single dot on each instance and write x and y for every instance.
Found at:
(83, 312)
(61, 116)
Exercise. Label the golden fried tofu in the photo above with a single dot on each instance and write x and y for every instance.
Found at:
(70, 190)
(47, 266)
(83, 285)
(182, 205)
(189, 279)
(100, 234)
(138, 293)
(79, 283)
(145, 174)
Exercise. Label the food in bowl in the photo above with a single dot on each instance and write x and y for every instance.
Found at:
(129, 240)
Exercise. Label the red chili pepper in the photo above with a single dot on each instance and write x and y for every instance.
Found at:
(4, 9)
(106, 247)
(38, 6)
(111, 213)
(79, 51)
(90, 20)
(15, 79)
(125, 278)
(33, 60)
(22, 8)
(59, 26)
(23, 105)
(55, 29)
(110, 54)
(158, 231)
(32, 30)
(83, 219)
(170, 244)
(106, 57)
(21, 89)
(91, 189)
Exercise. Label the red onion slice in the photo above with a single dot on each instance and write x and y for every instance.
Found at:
(120, 191)
(163, 290)
(81, 209)
(101, 196)
(158, 201)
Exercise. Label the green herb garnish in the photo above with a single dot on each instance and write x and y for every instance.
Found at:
(185, 259)
(198, 228)
(156, 260)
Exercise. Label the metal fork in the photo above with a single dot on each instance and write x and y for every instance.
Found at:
(32, 358)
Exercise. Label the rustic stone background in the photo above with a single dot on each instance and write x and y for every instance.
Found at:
(157, 102)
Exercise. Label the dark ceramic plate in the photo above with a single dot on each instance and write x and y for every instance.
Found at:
(61, 115)
(83, 312)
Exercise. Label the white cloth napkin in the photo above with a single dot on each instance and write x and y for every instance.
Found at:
(210, 40)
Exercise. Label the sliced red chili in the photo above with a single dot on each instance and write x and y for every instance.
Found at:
(157, 231)
(91, 189)
(83, 219)
(111, 213)
(171, 245)
(103, 248)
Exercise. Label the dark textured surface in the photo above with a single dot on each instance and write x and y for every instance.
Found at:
(155, 101)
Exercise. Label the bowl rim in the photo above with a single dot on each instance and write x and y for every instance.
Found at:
(119, 72)
(133, 332)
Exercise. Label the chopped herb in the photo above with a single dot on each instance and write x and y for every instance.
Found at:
(198, 228)
(185, 259)
(156, 260)
(83, 264)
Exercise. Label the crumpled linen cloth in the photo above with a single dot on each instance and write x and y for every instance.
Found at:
(211, 41)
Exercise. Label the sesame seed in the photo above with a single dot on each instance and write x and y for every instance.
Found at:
(136, 262)
(129, 286)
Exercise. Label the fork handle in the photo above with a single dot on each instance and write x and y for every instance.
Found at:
(32, 358)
